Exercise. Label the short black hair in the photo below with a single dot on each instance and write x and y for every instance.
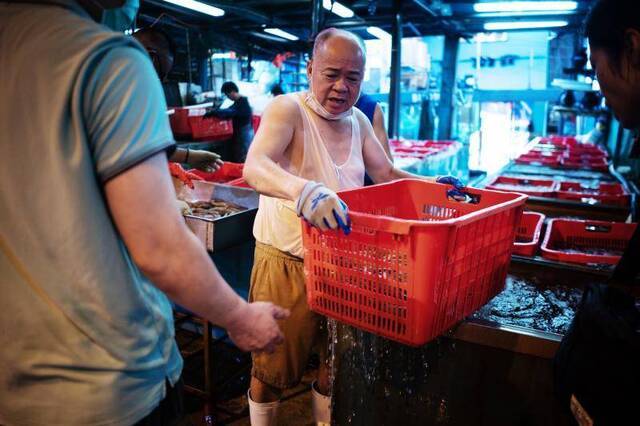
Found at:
(228, 87)
(607, 23)
(276, 90)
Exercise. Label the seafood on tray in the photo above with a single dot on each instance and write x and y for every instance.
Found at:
(214, 209)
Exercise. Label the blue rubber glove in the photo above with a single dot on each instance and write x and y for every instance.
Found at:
(457, 192)
(322, 207)
(450, 180)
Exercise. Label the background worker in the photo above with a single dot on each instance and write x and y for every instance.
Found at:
(373, 112)
(596, 365)
(87, 264)
(241, 115)
(161, 50)
(371, 109)
(309, 145)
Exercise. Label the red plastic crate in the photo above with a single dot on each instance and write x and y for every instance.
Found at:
(179, 122)
(210, 128)
(601, 165)
(587, 149)
(542, 160)
(545, 150)
(585, 158)
(528, 234)
(607, 193)
(580, 241)
(535, 187)
(188, 122)
(559, 141)
(415, 262)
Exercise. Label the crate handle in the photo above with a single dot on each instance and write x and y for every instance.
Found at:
(468, 197)
(589, 227)
(379, 223)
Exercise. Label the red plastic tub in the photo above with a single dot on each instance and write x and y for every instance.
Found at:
(580, 241)
(189, 123)
(535, 187)
(415, 262)
(528, 234)
(612, 194)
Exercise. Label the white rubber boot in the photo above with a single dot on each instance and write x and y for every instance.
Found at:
(320, 406)
(262, 413)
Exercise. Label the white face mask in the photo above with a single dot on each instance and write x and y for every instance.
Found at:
(312, 102)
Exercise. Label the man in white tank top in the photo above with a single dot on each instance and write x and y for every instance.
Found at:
(308, 146)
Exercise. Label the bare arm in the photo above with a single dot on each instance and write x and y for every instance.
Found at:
(261, 169)
(380, 131)
(141, 201)
(376, 161)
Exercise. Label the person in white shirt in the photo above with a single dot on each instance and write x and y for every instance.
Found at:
(308, 146)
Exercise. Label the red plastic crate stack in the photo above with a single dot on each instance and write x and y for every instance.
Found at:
(414, 265)
(586, 242)
(566, 152)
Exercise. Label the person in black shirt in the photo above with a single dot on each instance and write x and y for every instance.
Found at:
(241, 114)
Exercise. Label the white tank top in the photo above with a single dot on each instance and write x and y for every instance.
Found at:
(276, 222)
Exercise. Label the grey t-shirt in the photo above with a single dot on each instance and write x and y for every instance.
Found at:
(85, 338)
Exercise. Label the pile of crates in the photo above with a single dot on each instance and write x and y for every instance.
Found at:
(566, 153)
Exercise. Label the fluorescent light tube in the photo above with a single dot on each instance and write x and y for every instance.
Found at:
(278, 32)
(338, 8)
(198, 6)
(525, 6)
(523, 25)
(379, 33)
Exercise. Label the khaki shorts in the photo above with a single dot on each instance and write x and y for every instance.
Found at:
(278, 277)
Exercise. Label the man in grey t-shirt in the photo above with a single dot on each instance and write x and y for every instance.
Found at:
(90, 240)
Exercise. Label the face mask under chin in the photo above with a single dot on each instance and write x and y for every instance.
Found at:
(313, 103)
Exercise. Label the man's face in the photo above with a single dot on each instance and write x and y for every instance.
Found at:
(618, 87)
(336, 73)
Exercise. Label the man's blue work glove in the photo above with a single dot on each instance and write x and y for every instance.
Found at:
(322, 207)
(450, 180)
(458, 187)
